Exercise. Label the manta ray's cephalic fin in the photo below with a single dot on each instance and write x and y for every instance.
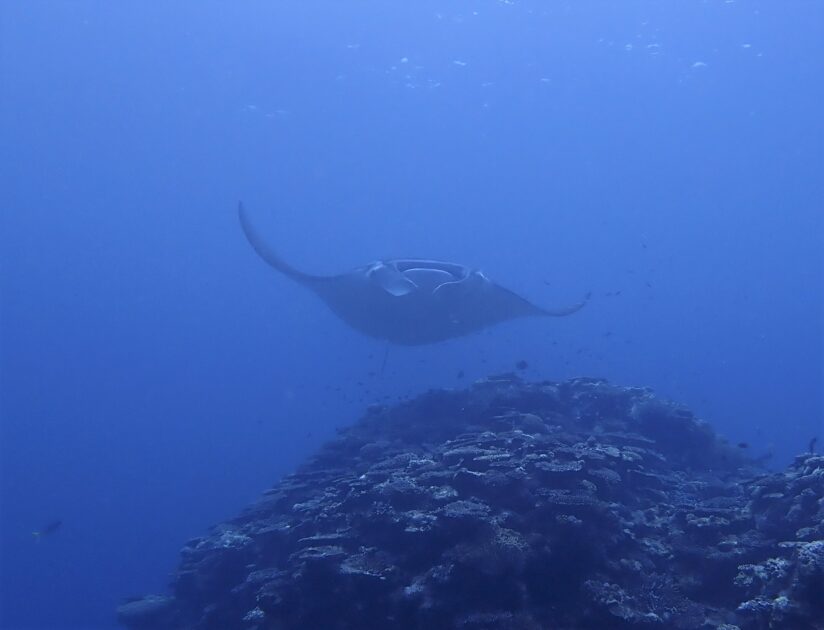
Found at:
(268, 254)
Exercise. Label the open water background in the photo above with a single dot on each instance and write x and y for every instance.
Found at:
(155, 376)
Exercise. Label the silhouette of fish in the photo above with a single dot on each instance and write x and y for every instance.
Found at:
(48, 530)
(410, 301)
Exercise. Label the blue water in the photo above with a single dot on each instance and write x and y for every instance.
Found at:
(156, 376)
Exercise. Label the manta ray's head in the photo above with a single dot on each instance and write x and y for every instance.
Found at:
(406, 276)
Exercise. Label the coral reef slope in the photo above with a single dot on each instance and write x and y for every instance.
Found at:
(514, 505)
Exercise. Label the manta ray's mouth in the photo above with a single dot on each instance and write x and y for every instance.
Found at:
(402, 277)
(457, 272)
(428, 275)
(428, 279)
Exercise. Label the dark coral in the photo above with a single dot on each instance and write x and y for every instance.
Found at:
(515, 505)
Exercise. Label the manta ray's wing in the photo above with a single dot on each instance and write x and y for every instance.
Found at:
(479, 302)
(269, 255)
(565, 310)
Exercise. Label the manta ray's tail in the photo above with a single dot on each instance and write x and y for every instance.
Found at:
(267, 253)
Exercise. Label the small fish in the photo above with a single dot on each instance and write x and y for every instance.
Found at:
(743, 445)
(47, 530)
(460, 374)
(522, 365)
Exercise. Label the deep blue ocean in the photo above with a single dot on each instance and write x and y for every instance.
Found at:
(156, 376)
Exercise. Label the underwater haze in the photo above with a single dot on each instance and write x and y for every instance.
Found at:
(156, 376)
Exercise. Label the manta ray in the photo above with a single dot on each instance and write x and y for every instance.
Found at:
(409, 301)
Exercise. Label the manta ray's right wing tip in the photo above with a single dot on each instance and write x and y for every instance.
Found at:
(569, 310)
(577, 307)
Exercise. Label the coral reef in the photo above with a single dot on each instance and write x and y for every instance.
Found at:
(514, 505)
